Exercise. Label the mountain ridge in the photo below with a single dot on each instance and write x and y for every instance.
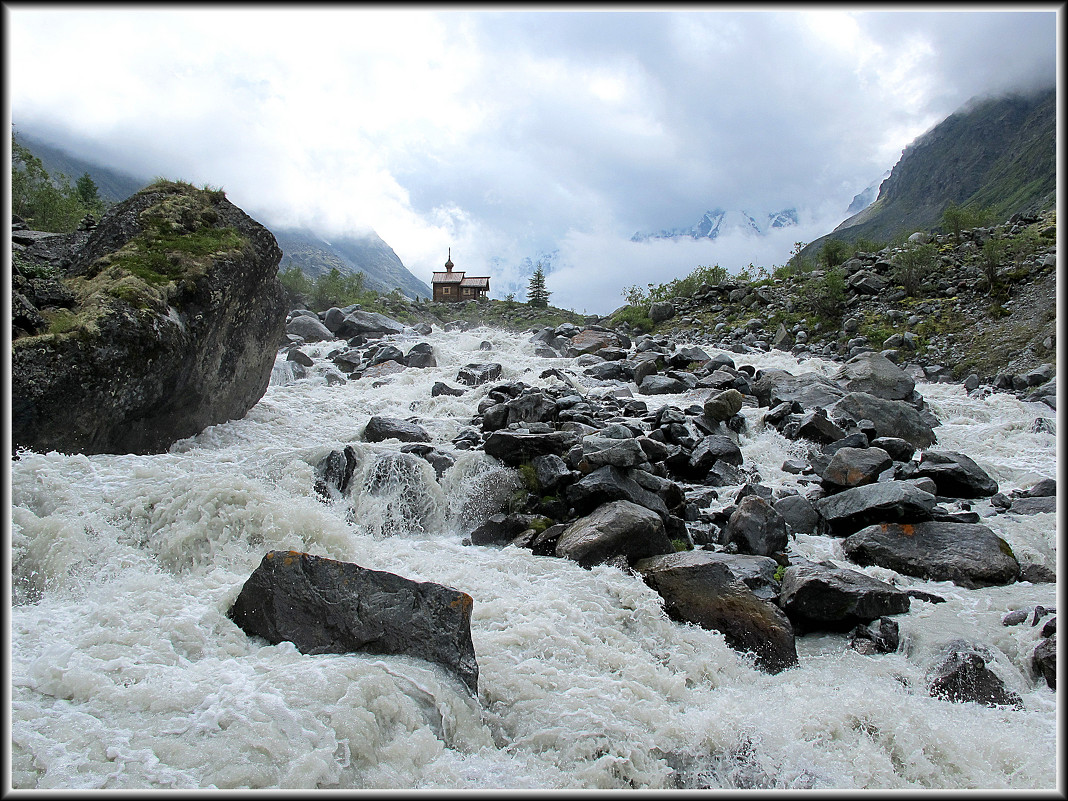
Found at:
(997, 153)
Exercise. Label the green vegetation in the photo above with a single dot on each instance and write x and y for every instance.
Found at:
(833, 253)
(47, 202)
(958, 218)
(780, 571)
(825, 296)
(179, 237)
(676, 287)
(334, 288)
(913, 265)
(537, 294)
(993, 255)
(681, 545)
(864, 245)
(637, 317)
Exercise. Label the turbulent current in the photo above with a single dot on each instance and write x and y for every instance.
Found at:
(127, 673)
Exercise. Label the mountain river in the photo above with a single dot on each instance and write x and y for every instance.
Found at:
(126, 672)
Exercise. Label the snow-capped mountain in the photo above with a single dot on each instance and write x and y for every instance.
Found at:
(717, 222)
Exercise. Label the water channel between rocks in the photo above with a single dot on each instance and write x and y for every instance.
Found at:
(126, 672)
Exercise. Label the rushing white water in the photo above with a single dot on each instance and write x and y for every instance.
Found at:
(126, 672)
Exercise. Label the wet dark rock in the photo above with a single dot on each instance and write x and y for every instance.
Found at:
(382, 428)
(1044, 660)
(855, 467)
(878, 637)
(892, 418)
(1015, 617)
(956, 475)
(421, 356)
(816, 426)
(334, 472)
(1033, 506)
(1037, 574)
(799, 514)
(439, 460)
(617, 528)
(299, 357)
(967, 554)
(961, 675)
(929, 597)
(550, 470)
(500, 529)
(386, 353)
(441, 388)
(1046, 488)
(756, 528)
(850, 510)
(328, 607)
(699, 587)
(608, 483)
(818, 597)
(515, 447)
(474, 374)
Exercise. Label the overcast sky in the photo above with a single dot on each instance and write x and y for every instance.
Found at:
(506, 134)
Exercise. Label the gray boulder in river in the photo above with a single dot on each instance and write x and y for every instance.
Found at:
(328, 607)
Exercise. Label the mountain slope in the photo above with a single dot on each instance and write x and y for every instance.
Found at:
(112, 186)
(368, 254)
(998, 153)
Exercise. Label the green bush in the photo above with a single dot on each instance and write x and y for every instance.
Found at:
(912, 265)
(833, 252)
(47, 202)
(993, 256)
(637, 317)
(825, 296)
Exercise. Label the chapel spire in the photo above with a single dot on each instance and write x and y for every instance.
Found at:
(449, 265)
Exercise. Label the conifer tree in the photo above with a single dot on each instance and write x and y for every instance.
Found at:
(537, 294)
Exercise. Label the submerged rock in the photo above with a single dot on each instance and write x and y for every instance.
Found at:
(961, 675)
(328, 607)
(697, 587)
(382, 428)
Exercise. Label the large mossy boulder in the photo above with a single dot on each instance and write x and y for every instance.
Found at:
(177, 317)
(324, 606)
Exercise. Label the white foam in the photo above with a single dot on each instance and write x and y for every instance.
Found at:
(126, 672)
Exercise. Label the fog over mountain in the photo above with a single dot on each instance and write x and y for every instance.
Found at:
(506, 134)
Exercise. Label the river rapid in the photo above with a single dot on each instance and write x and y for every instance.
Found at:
(127, 673)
